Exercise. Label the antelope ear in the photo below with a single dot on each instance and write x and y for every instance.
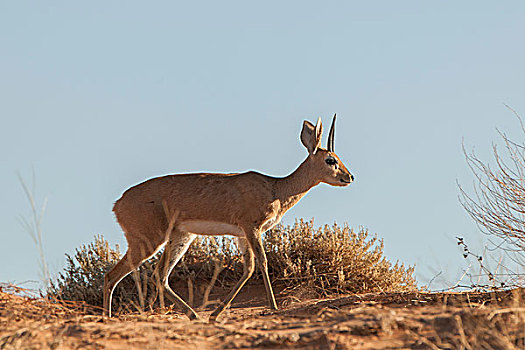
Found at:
(311, 135)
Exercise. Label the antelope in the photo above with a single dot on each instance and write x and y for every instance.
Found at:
(172, 210)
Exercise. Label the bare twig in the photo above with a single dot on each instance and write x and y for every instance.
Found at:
(216, 271)
(497, 203)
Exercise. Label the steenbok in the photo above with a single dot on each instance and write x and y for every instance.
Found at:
(174, 209)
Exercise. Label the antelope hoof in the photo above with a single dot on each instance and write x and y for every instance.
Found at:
(213, 319)
(214, 315)
(193, 316)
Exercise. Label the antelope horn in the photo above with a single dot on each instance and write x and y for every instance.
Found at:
(331, 135)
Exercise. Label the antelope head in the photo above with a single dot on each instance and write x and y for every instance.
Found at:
(328, 167)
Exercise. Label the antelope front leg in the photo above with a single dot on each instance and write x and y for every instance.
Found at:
(249, 268)
(260, 255)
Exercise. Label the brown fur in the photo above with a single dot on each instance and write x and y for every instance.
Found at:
(151, 213)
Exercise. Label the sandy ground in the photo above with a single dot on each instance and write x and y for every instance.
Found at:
(370, 321)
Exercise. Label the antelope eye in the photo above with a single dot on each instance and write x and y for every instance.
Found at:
(330, 161)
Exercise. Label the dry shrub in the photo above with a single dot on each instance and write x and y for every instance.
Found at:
(334, 259)
(322, 261)
(83, 276)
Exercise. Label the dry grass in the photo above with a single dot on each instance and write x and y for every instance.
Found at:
(302, 260)
(493, 320)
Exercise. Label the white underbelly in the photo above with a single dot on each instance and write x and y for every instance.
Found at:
(268, 225)
(210, 228)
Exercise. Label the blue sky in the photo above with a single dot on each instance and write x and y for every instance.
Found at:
(99, 96)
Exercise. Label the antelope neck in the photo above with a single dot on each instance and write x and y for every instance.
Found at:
(290, 189)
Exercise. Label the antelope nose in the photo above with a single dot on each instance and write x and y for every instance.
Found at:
(351, 177)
